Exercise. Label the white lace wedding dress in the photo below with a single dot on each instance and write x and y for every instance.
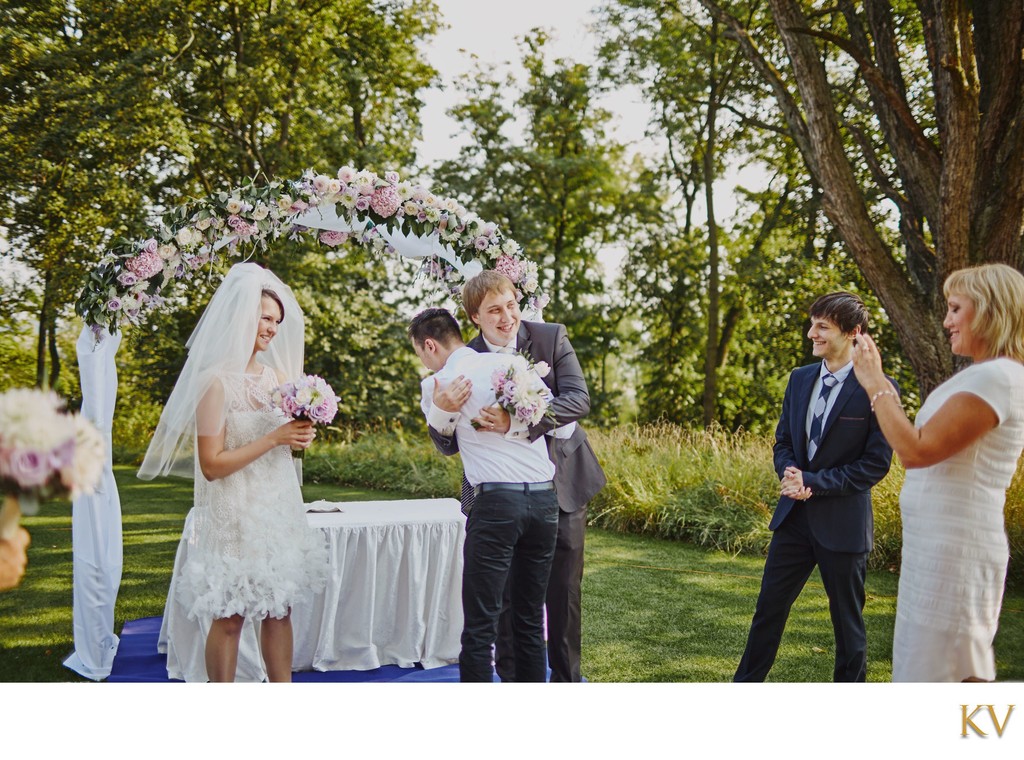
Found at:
(251, 552)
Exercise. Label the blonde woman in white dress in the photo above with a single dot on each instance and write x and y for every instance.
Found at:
(253, 554)
(960, 455)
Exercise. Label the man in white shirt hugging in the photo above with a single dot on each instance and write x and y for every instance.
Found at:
(513, 525)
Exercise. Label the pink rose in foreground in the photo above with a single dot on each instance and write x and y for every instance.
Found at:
(30, 469)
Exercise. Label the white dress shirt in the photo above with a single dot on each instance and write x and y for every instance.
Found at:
(487, 457)
(840, 375)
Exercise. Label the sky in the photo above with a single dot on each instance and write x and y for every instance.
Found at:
(490, 30)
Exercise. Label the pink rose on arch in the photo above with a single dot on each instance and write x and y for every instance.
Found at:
(481, 243)
(333, 238)
(150, 246)
(391, 177)
(145, 264)
(385, 201)
(510, 267)
(362, 203)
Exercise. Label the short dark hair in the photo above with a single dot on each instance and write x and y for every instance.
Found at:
(436, 323)
(268, 293)
(846, 310)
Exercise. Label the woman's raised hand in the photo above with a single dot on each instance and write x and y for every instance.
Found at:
(867, 365)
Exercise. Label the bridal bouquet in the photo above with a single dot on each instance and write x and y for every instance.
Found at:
(308, 398)
(519, 392)
(45, 452)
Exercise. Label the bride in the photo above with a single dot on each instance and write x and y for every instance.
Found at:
(252, 551)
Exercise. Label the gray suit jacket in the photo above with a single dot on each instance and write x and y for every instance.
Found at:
(578, 475)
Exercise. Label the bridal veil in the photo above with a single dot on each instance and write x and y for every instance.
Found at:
(222, 342)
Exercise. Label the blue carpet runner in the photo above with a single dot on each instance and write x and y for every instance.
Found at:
(138, 661)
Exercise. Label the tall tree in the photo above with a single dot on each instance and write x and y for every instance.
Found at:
(694, 81)
(928, 97)
(77, 123)
(113, 112)
(555, 192)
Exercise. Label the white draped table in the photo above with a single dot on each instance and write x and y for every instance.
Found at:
(393, 594)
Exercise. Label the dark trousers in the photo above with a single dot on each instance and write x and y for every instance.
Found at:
(792, 555)
(509, 534)
(562, 601)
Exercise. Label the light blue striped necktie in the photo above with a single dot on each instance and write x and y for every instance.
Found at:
(828, 382)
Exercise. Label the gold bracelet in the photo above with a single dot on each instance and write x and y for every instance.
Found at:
(886, 392)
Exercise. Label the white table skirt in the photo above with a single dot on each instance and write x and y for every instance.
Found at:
(393, 595)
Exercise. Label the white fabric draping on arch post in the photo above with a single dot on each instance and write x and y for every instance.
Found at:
(96, 519)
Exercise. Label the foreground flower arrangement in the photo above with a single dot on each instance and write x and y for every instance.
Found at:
(45, 452)
(134, 277)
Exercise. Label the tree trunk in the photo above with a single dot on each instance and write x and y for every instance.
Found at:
(710, 398)
(44, 318)
(814, 126)
(51, 336)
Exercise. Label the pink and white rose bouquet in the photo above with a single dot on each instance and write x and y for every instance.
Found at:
(308, 398)
(520, 392)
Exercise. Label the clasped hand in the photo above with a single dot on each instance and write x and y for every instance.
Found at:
(793, 484)
(298, 434)
(493, 419)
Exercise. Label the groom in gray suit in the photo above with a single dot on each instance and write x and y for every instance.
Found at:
(490, 301)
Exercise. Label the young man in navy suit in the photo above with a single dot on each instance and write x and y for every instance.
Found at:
(829, 452)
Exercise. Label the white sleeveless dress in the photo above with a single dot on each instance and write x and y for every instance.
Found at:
(252, 552)
(955, 549)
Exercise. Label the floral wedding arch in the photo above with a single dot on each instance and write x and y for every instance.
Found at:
(381, 214)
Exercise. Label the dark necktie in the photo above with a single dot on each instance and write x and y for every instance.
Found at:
(468, 497)
(828, 382)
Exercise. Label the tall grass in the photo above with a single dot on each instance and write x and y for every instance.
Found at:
(708, 488)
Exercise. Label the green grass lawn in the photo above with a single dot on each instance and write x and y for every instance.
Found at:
(654, 610)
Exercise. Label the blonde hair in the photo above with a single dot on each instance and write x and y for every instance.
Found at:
(997, 292)
(479, 287)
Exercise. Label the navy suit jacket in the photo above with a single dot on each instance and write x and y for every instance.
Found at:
(852, 457)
